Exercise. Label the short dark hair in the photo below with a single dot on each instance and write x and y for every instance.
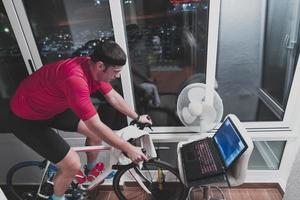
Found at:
(109, 52)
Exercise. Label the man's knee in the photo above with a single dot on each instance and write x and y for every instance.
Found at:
(71, 163)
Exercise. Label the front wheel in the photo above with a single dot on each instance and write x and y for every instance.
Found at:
(155, 180)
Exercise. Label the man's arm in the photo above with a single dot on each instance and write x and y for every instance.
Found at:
(100, 129)
(117, 101)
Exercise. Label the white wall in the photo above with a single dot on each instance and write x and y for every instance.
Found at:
(292, 191)
(13, 151)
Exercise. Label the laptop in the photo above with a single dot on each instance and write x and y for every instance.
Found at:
(212, 157)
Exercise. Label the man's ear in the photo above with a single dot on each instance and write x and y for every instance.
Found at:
(100, 65)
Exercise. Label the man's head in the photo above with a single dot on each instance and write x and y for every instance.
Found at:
(107, 61)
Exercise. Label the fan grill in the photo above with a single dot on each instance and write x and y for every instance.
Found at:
(191, 102)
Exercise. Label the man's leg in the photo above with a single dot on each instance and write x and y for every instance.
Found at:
(91, 140)
(50, 145)
(68, 168)
(68, 121)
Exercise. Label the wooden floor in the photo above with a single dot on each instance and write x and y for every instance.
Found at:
(246, 192)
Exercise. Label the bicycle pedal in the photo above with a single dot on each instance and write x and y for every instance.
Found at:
(76, 194)
(83, 187)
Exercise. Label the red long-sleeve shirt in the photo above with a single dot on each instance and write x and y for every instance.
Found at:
(56, 87)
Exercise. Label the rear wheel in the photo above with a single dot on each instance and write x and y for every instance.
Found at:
(13, 178)
(43, 173)
(159, 179)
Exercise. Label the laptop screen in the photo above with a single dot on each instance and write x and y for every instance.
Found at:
(229, 142)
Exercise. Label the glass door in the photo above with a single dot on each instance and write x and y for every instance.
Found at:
(255, 69)
(174, 44)
(280, 56)
(168, 44)
(12, 66)
(58, 30)
(257, 58)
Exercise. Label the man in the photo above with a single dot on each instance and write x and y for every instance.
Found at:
(58, 95)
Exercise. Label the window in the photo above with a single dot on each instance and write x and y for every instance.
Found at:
(168, 49)
(12, 66)
(69, 28)
(257, 58)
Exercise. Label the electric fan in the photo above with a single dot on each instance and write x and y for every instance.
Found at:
(194, 113)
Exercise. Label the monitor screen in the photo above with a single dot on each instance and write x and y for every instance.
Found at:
(229, 142)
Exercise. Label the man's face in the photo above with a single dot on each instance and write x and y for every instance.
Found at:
(108, 73)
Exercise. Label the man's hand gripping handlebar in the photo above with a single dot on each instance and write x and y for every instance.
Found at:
(134, 154)
(142, 125)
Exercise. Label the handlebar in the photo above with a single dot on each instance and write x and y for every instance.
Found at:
(133, 142)
(144, 151)
(141, 125)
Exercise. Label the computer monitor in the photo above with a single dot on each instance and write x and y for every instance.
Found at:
(229, 142)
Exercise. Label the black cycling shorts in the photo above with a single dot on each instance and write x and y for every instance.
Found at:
(39, 135)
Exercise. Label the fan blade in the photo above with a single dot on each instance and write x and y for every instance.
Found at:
(187, 117)
(196, 94)
(195, 108)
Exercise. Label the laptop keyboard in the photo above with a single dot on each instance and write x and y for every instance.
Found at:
(207, 163)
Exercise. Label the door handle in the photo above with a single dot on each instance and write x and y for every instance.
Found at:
(31, 65)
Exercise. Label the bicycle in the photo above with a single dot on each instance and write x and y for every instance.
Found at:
(153, 179)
